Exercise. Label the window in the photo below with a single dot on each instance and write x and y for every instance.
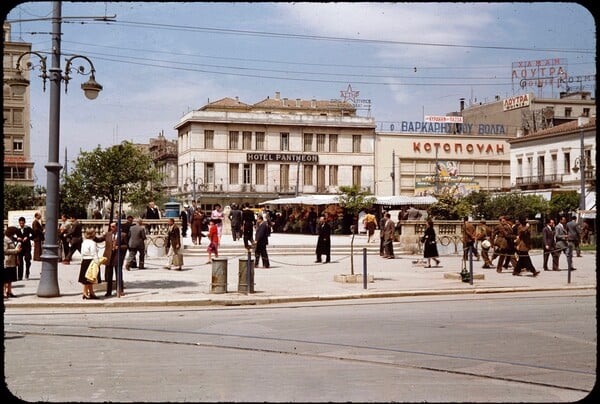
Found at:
(260, 174)
(308, 173)
(320, 178)
(209, 136)
(247, 140)
(519, 167)
(333, 140)
(320, 142)
(247, 174)
(356, 172)
(586, 112)
(233, 139)
(308, 140)
(284, 176)
(209, 172)
(356, 143)
(17, 145)
(260, 140)
(567, 165)
(234, 173)
(333, 175)
(284, 141)
(554, 167)
(541, 167)
(568, 111)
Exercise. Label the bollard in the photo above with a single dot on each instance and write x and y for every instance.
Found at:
(219, 275)
(364, 268)
(243, 277)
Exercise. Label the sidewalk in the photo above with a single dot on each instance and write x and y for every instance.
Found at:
(296, 278)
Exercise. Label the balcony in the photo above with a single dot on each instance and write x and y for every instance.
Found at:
(539, 181)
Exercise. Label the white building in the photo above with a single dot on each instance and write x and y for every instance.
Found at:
(229, 151)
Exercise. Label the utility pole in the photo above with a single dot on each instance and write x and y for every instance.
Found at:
(393, 173)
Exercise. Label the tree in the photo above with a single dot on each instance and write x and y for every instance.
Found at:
(18, 197)
(104, 173)
(352, 199)
(563, 203)
(451, 205)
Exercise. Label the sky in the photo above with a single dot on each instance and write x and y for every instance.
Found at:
(157, 61)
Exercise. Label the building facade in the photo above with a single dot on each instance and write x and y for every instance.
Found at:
(427, 164)
(230, 151)
(164, 157)
(549, 160)
(18, 166)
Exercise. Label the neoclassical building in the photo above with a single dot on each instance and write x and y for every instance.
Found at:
(230, 151)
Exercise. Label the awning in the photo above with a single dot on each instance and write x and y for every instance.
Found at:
(304, 200)
(590, 206)
(395, 200)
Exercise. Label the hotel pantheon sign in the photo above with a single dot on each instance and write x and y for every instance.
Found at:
(283, 157)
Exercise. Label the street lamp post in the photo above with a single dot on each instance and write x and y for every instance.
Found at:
(48, 285)
(580, 164)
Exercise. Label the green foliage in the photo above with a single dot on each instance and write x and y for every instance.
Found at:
(450, 206)
(563, 203)
(352, 199)
(18, 197)
(515, 204)
(104, 173)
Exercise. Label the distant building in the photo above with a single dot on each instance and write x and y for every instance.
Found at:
(237, 152)
(18, 166)
(164, 156)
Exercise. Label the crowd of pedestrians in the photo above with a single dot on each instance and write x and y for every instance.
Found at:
(509, 242)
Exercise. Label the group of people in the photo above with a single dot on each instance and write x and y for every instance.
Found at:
(19, 241)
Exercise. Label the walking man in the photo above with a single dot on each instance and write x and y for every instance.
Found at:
(262, 240)
(324, 240)
(388, 237)
(137, 244)
(550, 245)
(23, 235)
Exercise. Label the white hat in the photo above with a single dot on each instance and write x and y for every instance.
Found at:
(186, 205)
(486, 244)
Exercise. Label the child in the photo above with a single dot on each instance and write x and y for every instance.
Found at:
(213, 240)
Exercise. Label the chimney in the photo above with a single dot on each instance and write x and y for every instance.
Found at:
(285, 102)
(237, 98)
(313, 103)
(298, 102)
(462, 104)
(277, 95)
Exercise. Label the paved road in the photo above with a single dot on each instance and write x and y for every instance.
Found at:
(294, 276)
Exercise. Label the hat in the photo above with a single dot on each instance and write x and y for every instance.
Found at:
(486, 244)
(186, 205)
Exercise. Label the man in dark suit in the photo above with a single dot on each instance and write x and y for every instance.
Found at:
(114, 256)
(23, 235)
(324, 240)
(75, 237)
(550, 245)
(173, 246)
(248, 221)
(262, 240)
(136, 244)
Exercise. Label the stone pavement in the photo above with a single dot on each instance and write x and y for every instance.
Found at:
(294, 277)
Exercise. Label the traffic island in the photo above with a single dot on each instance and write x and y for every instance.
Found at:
(457, 275)
(358, 278)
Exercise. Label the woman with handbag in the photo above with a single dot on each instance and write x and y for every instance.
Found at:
(89, 253)
(430, 245)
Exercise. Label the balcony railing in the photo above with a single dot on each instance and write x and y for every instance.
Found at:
(540, 179)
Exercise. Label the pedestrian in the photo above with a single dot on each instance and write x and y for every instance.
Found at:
(136, 244)
(370, 222)
(152, 213)
(468, 239)
(115, 249)
(311, 217)
(381, 228)
(63, 230)
(235, 217)
(126, 228)
(389, 230)
(196, 223)
(512, 248)
(483, 234)
(585, 233)
(217, 216)
(213, 240)
(262, 240)
(38, 236)
(89, 252)
(324, 240)
(429, 241)
(562, 243)
(573, 238)
(75, 237)
(96, 215)
(11, 257)
(174, 258)
(248, 223)
(413, 213)
(522, 246)
(500, 236)
(549, 247)
(183, 216)
(23, 235)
